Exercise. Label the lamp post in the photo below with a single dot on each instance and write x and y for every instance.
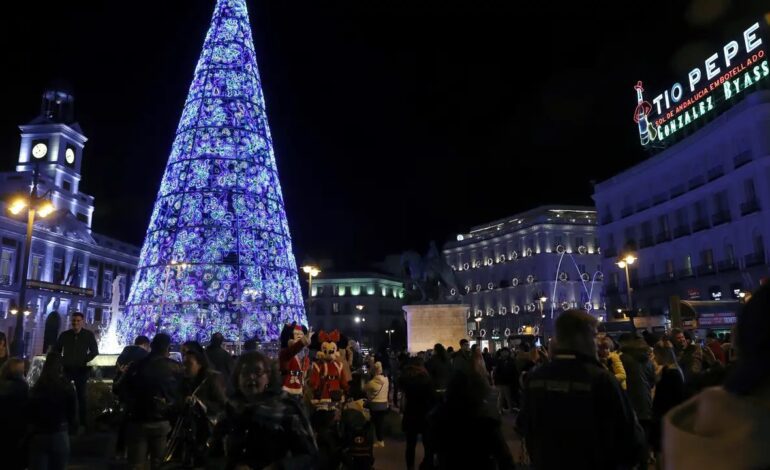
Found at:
(390, 332)
(360, 319)
(624, 263)
(43, 207)
(311, 271)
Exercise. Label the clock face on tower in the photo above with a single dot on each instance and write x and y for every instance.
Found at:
(69, 155)
(39, 150)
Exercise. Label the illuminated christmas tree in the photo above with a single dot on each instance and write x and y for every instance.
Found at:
(217, 255)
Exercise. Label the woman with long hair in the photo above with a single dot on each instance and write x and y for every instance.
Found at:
(264, 426)
(669, 392)
(52, 413)
(419, 399)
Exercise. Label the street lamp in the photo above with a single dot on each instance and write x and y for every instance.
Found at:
(624, 263)
(311, 271)
(360, 319)
(389, 332)
(42, 207)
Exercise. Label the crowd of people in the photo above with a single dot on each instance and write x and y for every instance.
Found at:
(586, 400)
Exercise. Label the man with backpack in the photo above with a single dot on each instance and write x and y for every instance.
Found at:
(150, 388)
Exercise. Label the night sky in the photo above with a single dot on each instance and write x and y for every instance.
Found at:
(394, 123)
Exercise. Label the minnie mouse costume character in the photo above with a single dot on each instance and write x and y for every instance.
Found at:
(328, 377)
(292, 359)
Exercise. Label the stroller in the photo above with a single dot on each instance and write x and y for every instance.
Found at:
(357, 437)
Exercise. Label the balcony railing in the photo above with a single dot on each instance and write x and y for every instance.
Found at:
(721, 217)
(681, 231)
(749, 207)
(742, 158)
(663, 237)
(727, 265)
(706, 269)
(645, 242)
(755, 259)
(626, 211)
(685, 273)
(700, 224)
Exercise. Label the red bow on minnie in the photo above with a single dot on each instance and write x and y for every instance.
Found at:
(331, 337)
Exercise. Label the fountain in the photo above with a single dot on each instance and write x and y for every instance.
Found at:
(108, 340)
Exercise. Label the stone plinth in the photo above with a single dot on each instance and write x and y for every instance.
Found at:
(427, 325)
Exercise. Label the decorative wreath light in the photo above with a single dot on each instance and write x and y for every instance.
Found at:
(563, 276)
(491, 285)
(482, 332)
(560, 249)
(565, 305)
(467, 289)
(529, 251)
(490, 312)
(501, 259)
(599, 276)
(530, 279)
(503, 311)
(471, 332)
(514, 254)
(452, 291)
(599, 250)
(466, 266)
(585, 277)
(479, 312)
(507, 332)
(476, 264)
(516, 309)
(515, 281)
(468, 314)
(531, 307)
(582, 249)
(490, 261)
(588, 306)
(478, 287)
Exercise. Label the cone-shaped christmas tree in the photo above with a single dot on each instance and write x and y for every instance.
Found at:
(217, 255)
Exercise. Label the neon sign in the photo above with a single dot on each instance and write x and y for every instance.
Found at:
(726, 74)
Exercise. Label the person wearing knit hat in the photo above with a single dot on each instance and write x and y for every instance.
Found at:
(728, 427)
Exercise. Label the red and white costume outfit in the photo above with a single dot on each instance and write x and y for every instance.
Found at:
(294, 366)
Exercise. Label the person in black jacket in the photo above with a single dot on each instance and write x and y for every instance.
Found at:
(219, 359)
(574, 413)
(440, 369)
(78, 347)
(507, 381)
(151, 390)
(419, 399)
(51, 413)
(14, 394)
(467, 407)
(640, 379)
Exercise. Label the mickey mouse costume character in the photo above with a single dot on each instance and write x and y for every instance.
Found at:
(328, 377)
(293, 360)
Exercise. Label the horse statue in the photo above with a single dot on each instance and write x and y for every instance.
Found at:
(428, 278)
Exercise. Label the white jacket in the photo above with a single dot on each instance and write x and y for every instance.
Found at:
(717, 430)
(377, 389)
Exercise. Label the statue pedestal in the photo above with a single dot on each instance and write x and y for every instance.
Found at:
(427, 325)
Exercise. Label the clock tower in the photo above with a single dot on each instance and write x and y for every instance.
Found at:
(53, 142)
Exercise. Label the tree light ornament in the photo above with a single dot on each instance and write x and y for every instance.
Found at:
(220, 209)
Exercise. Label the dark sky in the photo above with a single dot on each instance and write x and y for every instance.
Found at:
(394, 123)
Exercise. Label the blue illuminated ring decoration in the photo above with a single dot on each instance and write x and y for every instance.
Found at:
(531, 307)
(515, 281)
(585, 277)
(503, 311)
(467, 289)
(507, 332)
(478, 287)
(453, 291)
(516, 309)
(490, 312)
(482, 332)
(490, 261)
(466, 266)
(565, 305)
(501, 259)
(529, 251)
(491, 285)
(588, 306)
(560, 249)
(563, 276)
(514, 254)
(582, 249)
(530, 279)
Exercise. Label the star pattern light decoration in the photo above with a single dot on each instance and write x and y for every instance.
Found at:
(217, 256)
